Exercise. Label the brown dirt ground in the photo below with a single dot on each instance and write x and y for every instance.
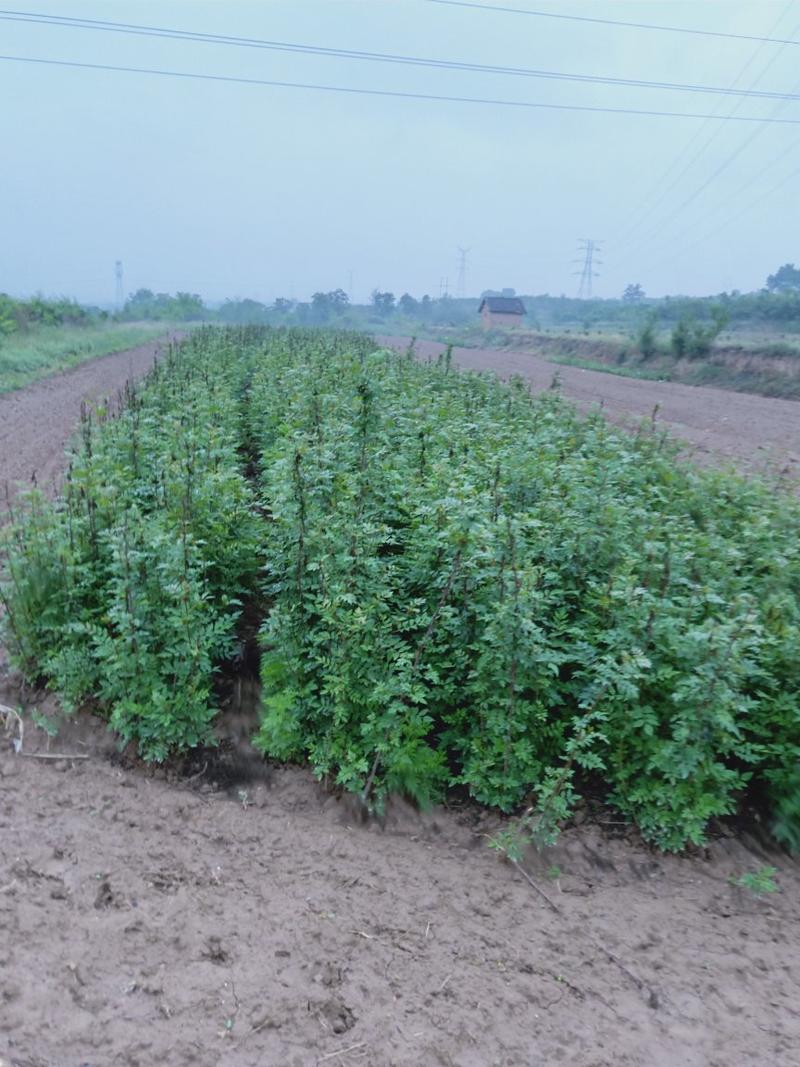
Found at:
(36, 422)
(755, 434)
(237, 914)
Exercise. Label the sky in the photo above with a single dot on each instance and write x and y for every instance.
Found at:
(242, 190)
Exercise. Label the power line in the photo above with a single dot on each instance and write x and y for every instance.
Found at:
(669, 180)
(701, 189)
(615, 22)
(752, 135)
(703, 237)
(392, 92)
(757, 176)
(133, 29)
(672, 29)
(705, 184)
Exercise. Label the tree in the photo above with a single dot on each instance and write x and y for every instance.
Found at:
(321, 306)
(145, 304)
(681, 338)
(634, 294)
(187, 307)
(383, 302)
(646, 340)
(244, 311)
(339, 300)
(141, 299)
(785, 279)
(407, 304)
(283, 304)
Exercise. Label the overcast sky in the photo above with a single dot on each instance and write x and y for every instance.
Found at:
(262, 191)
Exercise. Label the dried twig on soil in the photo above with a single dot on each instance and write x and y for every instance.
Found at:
(536, 888)
(341, 1052)
(52, 755)
(652, 996)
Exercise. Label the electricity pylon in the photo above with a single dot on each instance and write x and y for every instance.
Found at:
(589, 249)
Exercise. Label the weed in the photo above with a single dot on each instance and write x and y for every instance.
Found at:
(44, 723)
(759, 882)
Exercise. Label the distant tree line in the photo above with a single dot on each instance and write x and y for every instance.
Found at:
(182, 307)
(19, 316)
(778, 303)
(335, 308)
(693, 320)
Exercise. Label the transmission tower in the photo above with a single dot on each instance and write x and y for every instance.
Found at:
(461, 284)
(120, 292)
(588, 250)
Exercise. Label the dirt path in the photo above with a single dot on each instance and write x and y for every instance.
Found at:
(37, 421)
(246, 918)
(757, 434)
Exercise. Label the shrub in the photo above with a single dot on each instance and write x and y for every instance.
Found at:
(692, 339)
(461, 574)
(646, 339)
(126, 591)
(467, 586)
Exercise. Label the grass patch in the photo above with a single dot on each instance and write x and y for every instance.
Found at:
(661, 375)
(26, 357)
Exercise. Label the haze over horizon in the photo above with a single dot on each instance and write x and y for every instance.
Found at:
(231, 189)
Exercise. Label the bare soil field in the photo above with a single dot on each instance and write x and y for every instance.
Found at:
(156, 921)
(36, 422)
(760, 363)
(230, 912)
(755, 434)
